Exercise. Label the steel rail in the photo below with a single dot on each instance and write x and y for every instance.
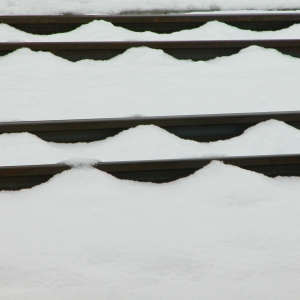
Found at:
(201, 128)
(44, 24)
(159, 171)
(194, 50)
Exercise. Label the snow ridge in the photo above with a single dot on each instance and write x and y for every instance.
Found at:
(36, 7)
(150, 143)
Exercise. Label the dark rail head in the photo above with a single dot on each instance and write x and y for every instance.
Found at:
(163, 121)
(153, 18)
(19, 177)
(201, 128)
(123, 45)
(154, 165)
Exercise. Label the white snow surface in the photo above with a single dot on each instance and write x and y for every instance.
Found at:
(143, 81)
(222, 233)
(148, 143)
(105, 31)
(33, 7)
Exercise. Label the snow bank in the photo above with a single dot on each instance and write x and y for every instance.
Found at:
(222, 233)
(142, 81)
(148, 143)
(31, 7)
(105, 31)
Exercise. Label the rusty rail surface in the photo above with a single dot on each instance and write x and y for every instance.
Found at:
(159, 171)
(201, 128)
(156, 23)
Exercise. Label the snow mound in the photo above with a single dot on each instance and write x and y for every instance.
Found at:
(41, 86)
(40, 7)
(220, 233)
(147, 143)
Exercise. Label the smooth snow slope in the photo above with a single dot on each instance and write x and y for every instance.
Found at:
(105, 31)
(142, 81)
(148, 143)
(222, 233)
(31, 7)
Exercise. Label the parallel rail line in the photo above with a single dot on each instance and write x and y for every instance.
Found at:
(201, 128)
(160, 171)
(156, 23)
(194, 50)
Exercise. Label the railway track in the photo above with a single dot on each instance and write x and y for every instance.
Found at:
(155, 23)
(20, 177)
(194, 50)
(201, 128)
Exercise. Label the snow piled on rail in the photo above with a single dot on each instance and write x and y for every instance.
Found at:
(150, 143)
(105, 31)
(222, 233)
(143, 81)
(35, 7)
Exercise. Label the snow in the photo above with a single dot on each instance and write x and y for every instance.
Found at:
(150, 143)
(142, 81)
(222, 233)
(105, 31)
(34, 7)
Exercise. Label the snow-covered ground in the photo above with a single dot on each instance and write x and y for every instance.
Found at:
(31, 7)
(105, 31)
(142, 81)
(221, 233)
(149, 143)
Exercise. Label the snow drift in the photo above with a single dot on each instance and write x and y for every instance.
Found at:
(36, 7)
(149, 143)
(142, 81)
(220, 233)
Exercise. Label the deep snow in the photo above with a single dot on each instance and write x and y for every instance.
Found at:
(143, 81)
(105, 31)
(149, 143)
(222, 233)
(33, 7)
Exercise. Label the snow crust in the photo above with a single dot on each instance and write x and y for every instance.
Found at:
(33, 7)
(105, 31)
(222, 233)
(142, 81)
(147, 143)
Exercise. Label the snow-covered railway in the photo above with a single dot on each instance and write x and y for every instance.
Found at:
(75, 231)
(156, 23)
(162, 171)
(194, 50)
(200, 128)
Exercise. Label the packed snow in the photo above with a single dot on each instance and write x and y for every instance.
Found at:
(36, 7)
(105, 31)
(150, 143)
(222, 233)
(143, 81)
